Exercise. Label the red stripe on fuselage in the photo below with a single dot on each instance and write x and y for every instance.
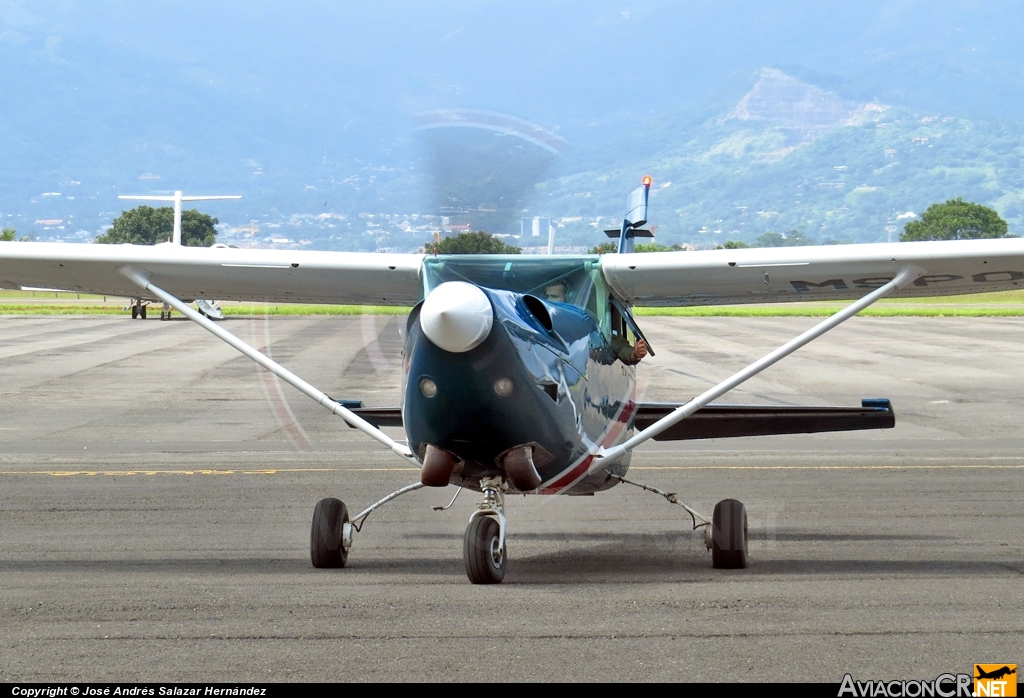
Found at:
(576, 471)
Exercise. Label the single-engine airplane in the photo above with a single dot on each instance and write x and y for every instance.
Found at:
(515, 375)
(208, 308)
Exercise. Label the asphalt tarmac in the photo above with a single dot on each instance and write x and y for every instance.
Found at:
(156, 490)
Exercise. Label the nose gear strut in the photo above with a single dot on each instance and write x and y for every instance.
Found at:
(484, 550)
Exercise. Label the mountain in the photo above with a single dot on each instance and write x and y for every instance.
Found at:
(790, 155)
(308, 110)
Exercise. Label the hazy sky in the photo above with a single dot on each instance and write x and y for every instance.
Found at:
(104, 91)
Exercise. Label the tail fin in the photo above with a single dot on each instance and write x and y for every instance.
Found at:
(636, 216)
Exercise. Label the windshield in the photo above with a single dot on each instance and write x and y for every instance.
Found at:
(573, 280)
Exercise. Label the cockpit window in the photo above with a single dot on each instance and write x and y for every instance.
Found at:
(573, 280)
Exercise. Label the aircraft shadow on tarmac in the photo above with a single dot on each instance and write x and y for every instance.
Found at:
(638, 538)
(590, 557)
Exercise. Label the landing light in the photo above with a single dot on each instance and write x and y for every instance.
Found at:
(428, 387)
(646, 181)
(503, 387)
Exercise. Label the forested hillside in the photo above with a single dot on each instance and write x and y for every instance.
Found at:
(836, 120)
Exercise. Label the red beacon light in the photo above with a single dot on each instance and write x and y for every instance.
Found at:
(646, 180)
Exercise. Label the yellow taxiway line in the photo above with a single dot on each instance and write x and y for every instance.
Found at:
(285, 471)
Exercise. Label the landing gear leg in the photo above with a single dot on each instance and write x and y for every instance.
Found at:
(484, 550)
(165, 314)
(725, 535)
(330, 537)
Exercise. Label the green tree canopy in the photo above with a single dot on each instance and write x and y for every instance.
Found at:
(8, 234)
(792, 238)
(733, 245)
(955, 220)
(477, 242)
(146, 225)
(613, 246)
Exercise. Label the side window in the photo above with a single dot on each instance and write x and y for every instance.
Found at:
(591, 306)
(618, 325)
(623, 325)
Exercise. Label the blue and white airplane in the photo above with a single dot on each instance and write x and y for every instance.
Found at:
(519, 370)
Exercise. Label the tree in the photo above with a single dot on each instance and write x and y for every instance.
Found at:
(793, 238)
(613, 246)
(771, 239)
(10, 235)
(146, 225)
(733, 245)
(477, 242)
(655, 247)
(955, 220)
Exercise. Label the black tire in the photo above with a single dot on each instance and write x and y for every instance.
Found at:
(135, 312)
(729, 536)
(485, 564)
(142, 312)
(325, 537)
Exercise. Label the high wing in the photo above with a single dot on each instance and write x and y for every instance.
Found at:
(711, 277)
(837, 272)
(281, 276)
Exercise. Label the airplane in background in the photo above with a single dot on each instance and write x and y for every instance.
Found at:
(512, 388)
(207, 308)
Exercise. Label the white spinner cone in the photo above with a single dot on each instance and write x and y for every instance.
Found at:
(456, 316)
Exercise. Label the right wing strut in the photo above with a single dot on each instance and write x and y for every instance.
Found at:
(905, 275)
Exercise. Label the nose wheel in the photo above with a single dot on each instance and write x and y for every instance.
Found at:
(484, 550)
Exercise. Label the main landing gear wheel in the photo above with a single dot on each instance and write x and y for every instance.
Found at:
(326, 537)
(484, 555)
(729, 535)
(135, 312)
(142, 312)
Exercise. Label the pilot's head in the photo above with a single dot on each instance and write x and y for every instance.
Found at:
(555, 292)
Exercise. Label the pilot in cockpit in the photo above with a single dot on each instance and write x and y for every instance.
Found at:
(555, 292)
(623, 350)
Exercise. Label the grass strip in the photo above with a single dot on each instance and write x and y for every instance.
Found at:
(703, 311)
(825, 311)
(998, 304)
(237, 310)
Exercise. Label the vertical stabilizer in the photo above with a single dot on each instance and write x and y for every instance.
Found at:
(636, 215)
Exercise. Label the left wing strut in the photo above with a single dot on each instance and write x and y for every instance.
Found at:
(140, 278)
(904, 276)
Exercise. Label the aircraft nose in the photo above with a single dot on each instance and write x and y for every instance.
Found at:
(456, 316)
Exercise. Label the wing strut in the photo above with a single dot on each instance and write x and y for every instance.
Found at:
(140, 278)
(904, 276)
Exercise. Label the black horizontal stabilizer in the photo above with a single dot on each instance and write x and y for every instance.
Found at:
(636, 233)
(724, 421)
(380, 416)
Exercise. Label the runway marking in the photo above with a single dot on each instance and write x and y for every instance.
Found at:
(285, 471)
(198, 471)
(825, 467)
(383, 470)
